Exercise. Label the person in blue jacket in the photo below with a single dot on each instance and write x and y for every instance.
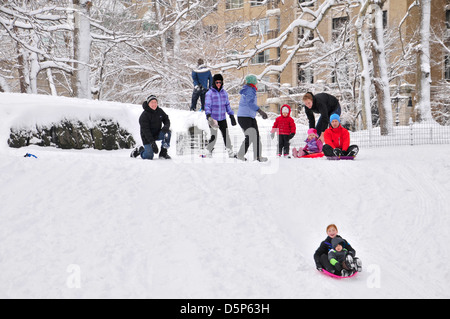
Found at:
(246, 118)
(203, 81)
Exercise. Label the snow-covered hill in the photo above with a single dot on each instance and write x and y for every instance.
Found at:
(99, 224)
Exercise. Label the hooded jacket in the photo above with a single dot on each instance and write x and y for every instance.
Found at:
(217, 103)
(247, 103)
(337, 137)
(335, 256)
(202, 76)
(151, 122)
(324, 104)
(326, 246)
(284, 124)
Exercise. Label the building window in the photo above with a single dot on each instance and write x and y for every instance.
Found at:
(255, 3)
(260, 27)
(447, 67)
(337, 25)
(447, 18)
(301, 34)
(234, 29)
(261, 57)
(305, 76)
(306, 3)
(234, 4)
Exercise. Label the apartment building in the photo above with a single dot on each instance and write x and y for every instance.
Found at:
(256, 21)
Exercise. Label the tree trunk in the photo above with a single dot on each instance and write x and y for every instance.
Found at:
(82, 48)
(364, 61)
(380, 73)
(423, 105)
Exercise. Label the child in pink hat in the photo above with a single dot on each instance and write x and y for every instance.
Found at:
(313, 145)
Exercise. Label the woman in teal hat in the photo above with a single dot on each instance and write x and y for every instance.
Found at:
(246, 119)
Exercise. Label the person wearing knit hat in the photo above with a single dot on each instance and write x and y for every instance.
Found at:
(313, 145)
(217, 106)
(323, 104)
(286, 128)
(337, 140)
(248, 108)
(155, 126)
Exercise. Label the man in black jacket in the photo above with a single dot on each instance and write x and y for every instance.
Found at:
(323, 104)
(155, 126)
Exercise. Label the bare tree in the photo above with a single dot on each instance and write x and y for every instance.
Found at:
(380, 69)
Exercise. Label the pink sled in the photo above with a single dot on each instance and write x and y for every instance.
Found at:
(335, 276)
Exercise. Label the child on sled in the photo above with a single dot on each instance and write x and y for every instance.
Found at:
(313, 145)
(336, 256)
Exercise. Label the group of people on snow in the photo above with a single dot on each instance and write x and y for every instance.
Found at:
(327, 136)
(334, 255)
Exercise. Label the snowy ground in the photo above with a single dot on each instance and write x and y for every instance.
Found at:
(99, 224)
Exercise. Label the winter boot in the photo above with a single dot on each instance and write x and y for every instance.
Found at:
(337, 152)
(164, 154)
(137, 151)
(353, 152)
(357, 264)
(348, 263)
(231, 154)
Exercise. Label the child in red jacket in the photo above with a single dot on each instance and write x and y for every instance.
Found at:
(337, 140)
(286, 130)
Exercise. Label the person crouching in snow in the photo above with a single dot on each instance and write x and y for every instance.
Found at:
(286, 130)
(155, 126)
(337, 140)
(313, 145)
(217, 105)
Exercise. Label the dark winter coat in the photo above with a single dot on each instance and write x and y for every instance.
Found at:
(326, 246)
(202, 77)
(151, 122)
(323, 104)
(284, 124)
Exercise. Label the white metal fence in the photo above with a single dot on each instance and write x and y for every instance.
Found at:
(410, 135)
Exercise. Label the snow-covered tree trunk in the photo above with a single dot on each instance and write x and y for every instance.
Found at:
(23, 69)
(380, 69)
(365, 70)
(158, 14)
(4, 86)
(82, 49)
(423, 105)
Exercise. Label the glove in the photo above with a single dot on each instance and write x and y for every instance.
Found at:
(155, 148)
(291, 136)
(263, 114)
(233, 120)
(212, 122)
(338, 267)
(165, 129)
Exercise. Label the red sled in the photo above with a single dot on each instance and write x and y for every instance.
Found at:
(336, 276)
(313, 155)
(338, 158)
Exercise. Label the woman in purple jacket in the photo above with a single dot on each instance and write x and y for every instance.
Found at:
(217, 105)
